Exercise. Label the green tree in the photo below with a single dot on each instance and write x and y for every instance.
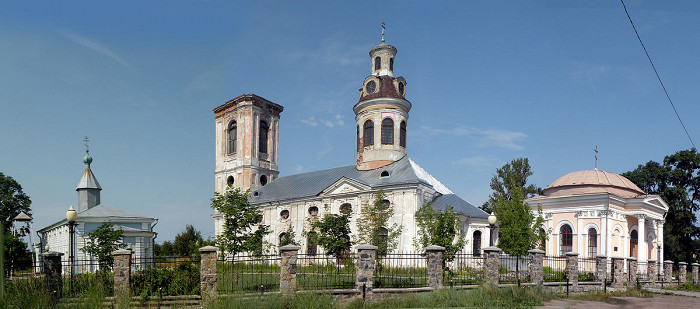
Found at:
(243, 230)
(164, 249)
(373, 225)
(188, 242)
(289, 237)
(677, 182)
(517, 172)
(12, 200)
(17, 256)
(439, 228)
(102, 242)
(332, 232)
(520, 230)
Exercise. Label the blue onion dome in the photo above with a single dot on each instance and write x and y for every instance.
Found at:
(87, 159)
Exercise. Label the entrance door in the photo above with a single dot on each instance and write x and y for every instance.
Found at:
(633, 244)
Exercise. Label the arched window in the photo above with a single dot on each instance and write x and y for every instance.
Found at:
(263, 180)
(368, 133)
(566, 239)
(284, 214)
(377, 63)
(262, 142)
(402, 134)
(476, 246)
(633, 243)
(346, 209)
(313, 211)
(232, 137)
(592, 243)
(385, 204)
(387, 131)
(229, 181)
(311, 248)
(358, 138)
(391, 63)
(282, 235)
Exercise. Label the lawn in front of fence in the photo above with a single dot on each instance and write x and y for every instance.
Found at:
(400, 270)
(165, 277)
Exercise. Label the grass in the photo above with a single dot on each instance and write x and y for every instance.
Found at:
(684, 287)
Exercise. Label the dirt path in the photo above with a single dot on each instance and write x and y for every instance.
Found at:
(658, 301)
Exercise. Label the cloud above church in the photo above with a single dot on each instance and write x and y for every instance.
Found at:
(95, 46)
(489, 137)
(336, 121)
(476, 161)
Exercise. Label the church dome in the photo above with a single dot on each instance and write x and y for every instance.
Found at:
(593, 182)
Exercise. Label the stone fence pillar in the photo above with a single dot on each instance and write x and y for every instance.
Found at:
(535, 267)
(695, 268)
(365, 264)
(492, 262)
(651, 270)
(618, 272)
(572, 268)
(632, 270)
(53, 273)
(682, 271)
(434, 259)
(601, 268)
(288, 268)
(207, 271)
(122, 270)
(668, 271)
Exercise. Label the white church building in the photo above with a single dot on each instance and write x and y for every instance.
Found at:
(247, 139)
(137, 230)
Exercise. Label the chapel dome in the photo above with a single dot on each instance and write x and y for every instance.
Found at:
(593, 182)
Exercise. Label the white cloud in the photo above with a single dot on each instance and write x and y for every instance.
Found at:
(476, 161)
(85, 42)
(491, 137)
(336, 121)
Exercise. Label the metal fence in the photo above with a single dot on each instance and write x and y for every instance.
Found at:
(248, 273)
(85, 276)
(513, 269)
(587, 269)
(400, 270)
(323, 272)
(162, 276)
(465, 269)
(554, 268)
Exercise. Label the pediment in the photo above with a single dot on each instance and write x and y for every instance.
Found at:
(345, 185)
(657, 201)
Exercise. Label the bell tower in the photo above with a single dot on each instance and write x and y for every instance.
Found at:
(382, 112)
(247, 141)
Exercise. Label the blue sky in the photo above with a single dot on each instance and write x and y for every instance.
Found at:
(489, 81)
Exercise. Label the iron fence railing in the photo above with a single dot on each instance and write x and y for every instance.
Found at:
(400, 270)
(323, 272)
(465, 269)
(554, 268)
(160, 276)
(248, 273)
(513, 269)
(587, 270)
(82, 276)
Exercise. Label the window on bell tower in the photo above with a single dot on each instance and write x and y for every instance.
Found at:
(377, 63)
(402, 134)
(232, 137)
(387, 131)
(358, 138)
(391, 64)
(368, 133)
(262, 142)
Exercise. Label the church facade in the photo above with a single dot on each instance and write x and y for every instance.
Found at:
(138, 234)
(594, 212)
(247, 138)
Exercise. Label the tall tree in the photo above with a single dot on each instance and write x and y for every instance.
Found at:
(677, 181)
(17, 256)
(439, 228)
(243, 230)
(12, 200)
(516, 172)
(102, 242)
(520, 229)
(188, 242)
(373, 226)
(332, 232)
